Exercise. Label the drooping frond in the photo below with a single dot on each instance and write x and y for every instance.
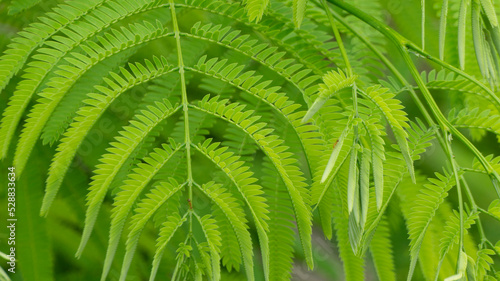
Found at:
(332, 83)
(242, 178)
(293, 72)
(277, 19)
(396, 117)
(394, 176)
(87, 116)
(424, 210)
(483, 263)
(256, 8)
(381, 250)
(231, 255)
(129, 193)
(130, 138)
(269, 131)
(50, 59)
(271, 146)
(451, 235)
(63, 17)
(353, 265)
(310, 140)
(296, 70)
(144, 211)
(232, 212)
(281, 227)
(52, 95)
(212, 236)
(375, 133)
(64, 114)
(167, 231)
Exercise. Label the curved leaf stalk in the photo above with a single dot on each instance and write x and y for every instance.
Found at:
(185, 102)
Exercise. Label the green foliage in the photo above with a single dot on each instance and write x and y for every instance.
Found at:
(381, 250)
(218, 139)
(424, 210)
(332, 83)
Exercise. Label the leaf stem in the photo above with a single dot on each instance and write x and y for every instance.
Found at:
(460, 199)
(475, 208)
(185, 103)
(488, 213)
(338, 38)
(412, 48)
(422, 4)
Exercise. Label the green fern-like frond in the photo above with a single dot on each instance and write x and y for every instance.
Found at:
(381, 250)
(144, 211)
(256, 8)
(338, 131)
(245, 183)
(299, 9)
(476, 119)
(294, 72)
(270, 145)
(211, 233)
(281, 226)
(233, 213)
(332, 83)
(61, 18)
(51, 60)
(87, 116)
(396, 117)
(451, 234)
(52, 95)
(65, 112)
(449, 81)
(211, 131)
(353, 265)
(375, 133)
(289, 42)
(130, 138)
(167, 231)
(483, 263)
(130, 192)
(394, 176)
(310, 141)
